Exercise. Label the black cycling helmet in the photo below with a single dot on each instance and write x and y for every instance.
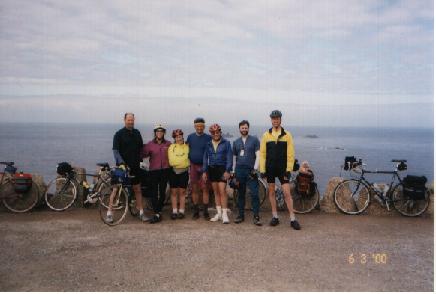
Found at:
(199, 120)
(275, 113)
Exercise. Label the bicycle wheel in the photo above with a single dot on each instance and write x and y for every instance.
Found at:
(407, 206)
(119, 205)
(61, 194)
(305, 203)
(351, 196)
(19, 202)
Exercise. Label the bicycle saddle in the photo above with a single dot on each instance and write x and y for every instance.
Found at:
(8, 163)
(399, 160)
(103, 164)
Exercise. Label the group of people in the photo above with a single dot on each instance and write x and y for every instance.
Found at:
(207, 161)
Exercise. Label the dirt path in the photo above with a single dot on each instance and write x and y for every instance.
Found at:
(75, 251)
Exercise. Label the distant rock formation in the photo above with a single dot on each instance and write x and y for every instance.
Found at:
(311, 136)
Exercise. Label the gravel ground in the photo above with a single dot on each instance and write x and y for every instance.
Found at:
(75, 251)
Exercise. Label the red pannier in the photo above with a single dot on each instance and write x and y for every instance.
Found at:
(22, 182)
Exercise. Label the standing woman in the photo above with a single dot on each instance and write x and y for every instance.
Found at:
(157, 151)
(217, 164)
(179, 176)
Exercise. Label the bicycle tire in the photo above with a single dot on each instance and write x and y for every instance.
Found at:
(312, 201)
(119, 207)
(262, 192)
(60, 201)
(404, 204)
(19, 202)
(352, 196)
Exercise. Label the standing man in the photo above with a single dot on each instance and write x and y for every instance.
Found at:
(127, 146)
(197, 142)
(277, 161)
(246, 162)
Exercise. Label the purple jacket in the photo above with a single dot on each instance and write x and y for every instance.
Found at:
(158, 154)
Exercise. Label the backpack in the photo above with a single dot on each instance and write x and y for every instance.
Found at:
(305, 184)
(22, 182)
(414, 187)
(64, 168)
(349, 162)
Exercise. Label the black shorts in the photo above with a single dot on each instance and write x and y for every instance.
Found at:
(271, 177)
(216, 173)
(179, 180)
(137, 175)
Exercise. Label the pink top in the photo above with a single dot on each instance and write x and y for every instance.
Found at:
(158, 154)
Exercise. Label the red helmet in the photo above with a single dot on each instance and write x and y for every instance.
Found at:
(177, 132)
(214, 128)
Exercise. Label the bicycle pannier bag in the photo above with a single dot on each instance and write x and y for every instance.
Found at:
(64, 168)
(349, 161)
(22, 182)
(414, 187)
(119, 176)
(305, 184)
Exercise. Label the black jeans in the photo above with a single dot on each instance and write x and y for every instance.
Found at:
(158, 180)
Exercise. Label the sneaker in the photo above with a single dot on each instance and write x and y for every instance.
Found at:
(239, 219)
(225, 218)
(109, 219)
(144, 218)
(155, 218)
(256, 220)
(295, 225)
(173, 216)
(181, 215)
(274, 222)
(216, 218)
(196, 212)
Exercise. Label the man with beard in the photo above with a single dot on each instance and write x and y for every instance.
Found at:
(246, 162)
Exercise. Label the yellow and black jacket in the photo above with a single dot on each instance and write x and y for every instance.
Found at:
(276, 152)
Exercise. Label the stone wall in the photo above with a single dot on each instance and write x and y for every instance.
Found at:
(327, 202)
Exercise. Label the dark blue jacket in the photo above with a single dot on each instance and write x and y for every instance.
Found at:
(222, 156)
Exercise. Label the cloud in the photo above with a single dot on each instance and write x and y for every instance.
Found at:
(314, 52)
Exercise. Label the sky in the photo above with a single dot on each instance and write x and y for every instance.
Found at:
(322, 63)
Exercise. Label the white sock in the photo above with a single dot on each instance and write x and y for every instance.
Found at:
(182, 211)
(219, 210)
(109, 212)
(174, 210)
(275, 215)
(292, 217)
(141, 211)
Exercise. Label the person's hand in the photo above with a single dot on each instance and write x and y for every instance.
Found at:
(204, 177)
(122, 166)
(226, 175)
(253, 174)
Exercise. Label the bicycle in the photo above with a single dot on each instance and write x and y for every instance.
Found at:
(62, 191)
(352, 196)
(19, 192)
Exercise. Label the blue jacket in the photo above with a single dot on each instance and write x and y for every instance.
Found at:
(222, 156)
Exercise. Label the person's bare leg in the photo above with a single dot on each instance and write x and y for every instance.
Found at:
(182, 193)
(174, 198)
(217, 195)
(288, 199)
(138, 196)
(223, 194)
(111, 198)
(195, 193)
(272, 197)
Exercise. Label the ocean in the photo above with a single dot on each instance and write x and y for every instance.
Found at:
(38, 147)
